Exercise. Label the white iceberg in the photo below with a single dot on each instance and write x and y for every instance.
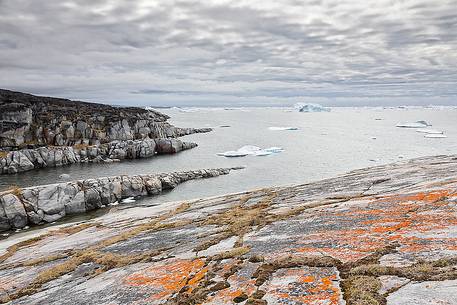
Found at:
(282, 128)
(261, 153)
(251, 150)
(274, 149)
(310, 107)
(435, 136)
(232, 154)
(128, 200)
(417, 124)
(429, 131)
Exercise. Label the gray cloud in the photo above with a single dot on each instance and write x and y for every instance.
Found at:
(231, 52)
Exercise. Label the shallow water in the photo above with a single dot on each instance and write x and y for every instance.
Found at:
(326, 144)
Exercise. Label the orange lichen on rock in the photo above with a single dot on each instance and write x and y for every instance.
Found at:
(166, 279)
(301, 286)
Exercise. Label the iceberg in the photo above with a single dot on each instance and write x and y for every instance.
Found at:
(435, 136)
(261, 153)
(232, 154)
(251, 150)
(417, 124)
(274, 149)
(429, 131)
(282, 128)
(309, 107)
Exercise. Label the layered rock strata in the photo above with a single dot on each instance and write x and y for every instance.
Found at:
(22, 160)
(22, 207)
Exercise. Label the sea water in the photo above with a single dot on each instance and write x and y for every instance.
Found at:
(325, 144)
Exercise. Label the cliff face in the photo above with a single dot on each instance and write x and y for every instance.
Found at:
(28, 120)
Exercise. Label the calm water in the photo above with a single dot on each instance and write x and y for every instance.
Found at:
(326, 144)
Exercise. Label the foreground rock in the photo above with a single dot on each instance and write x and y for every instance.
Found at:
(17, 161)
(381, 235)
(48, 203)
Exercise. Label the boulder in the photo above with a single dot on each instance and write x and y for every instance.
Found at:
(14, 211)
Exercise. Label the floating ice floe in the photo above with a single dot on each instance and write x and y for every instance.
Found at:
(310, 107)
(128, 200)
(282, 128)
(417, 124)
(65, 176)
(232, 154)
(429, 131)
(435, 135)
(251, 150)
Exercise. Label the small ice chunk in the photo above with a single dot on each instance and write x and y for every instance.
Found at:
(282, 128)
(65, 176)
(114, 203)
(261, 153)
(249, 149)
(128, 200)
(435, 136)
(417, 124)
(232, 154)
(310, 107)
(274, 149)
(429, 131)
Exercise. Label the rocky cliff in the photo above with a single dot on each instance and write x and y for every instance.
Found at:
(37, 132)
(381, 235)
(28, 120)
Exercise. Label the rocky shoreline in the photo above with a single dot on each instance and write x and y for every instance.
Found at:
(38, 132)
(380, 235)
(23, 160)
(21, 207)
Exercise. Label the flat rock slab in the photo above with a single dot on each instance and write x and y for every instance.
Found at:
(386, 234)
(426, 293)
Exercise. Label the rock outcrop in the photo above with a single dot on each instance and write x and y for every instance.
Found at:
(22, 160)
(37, 132)
(28, 120)
(48, 203)
(381, 235)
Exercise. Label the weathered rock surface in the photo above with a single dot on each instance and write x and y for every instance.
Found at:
(48, 203)
(381, 235)
(28, 120)
(52, 156)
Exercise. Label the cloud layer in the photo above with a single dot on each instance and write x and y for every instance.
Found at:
(220, 52)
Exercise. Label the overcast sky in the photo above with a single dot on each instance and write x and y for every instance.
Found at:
(220, 52)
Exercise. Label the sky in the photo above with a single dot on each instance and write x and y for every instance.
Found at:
(239, 52)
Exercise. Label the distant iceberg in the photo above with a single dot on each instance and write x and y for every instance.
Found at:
(417, 124)
(310, 107)
(435, 136)
(251, 150)
(282, 128)
(429, 131)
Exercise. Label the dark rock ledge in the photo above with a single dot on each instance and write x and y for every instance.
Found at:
(35, 205)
